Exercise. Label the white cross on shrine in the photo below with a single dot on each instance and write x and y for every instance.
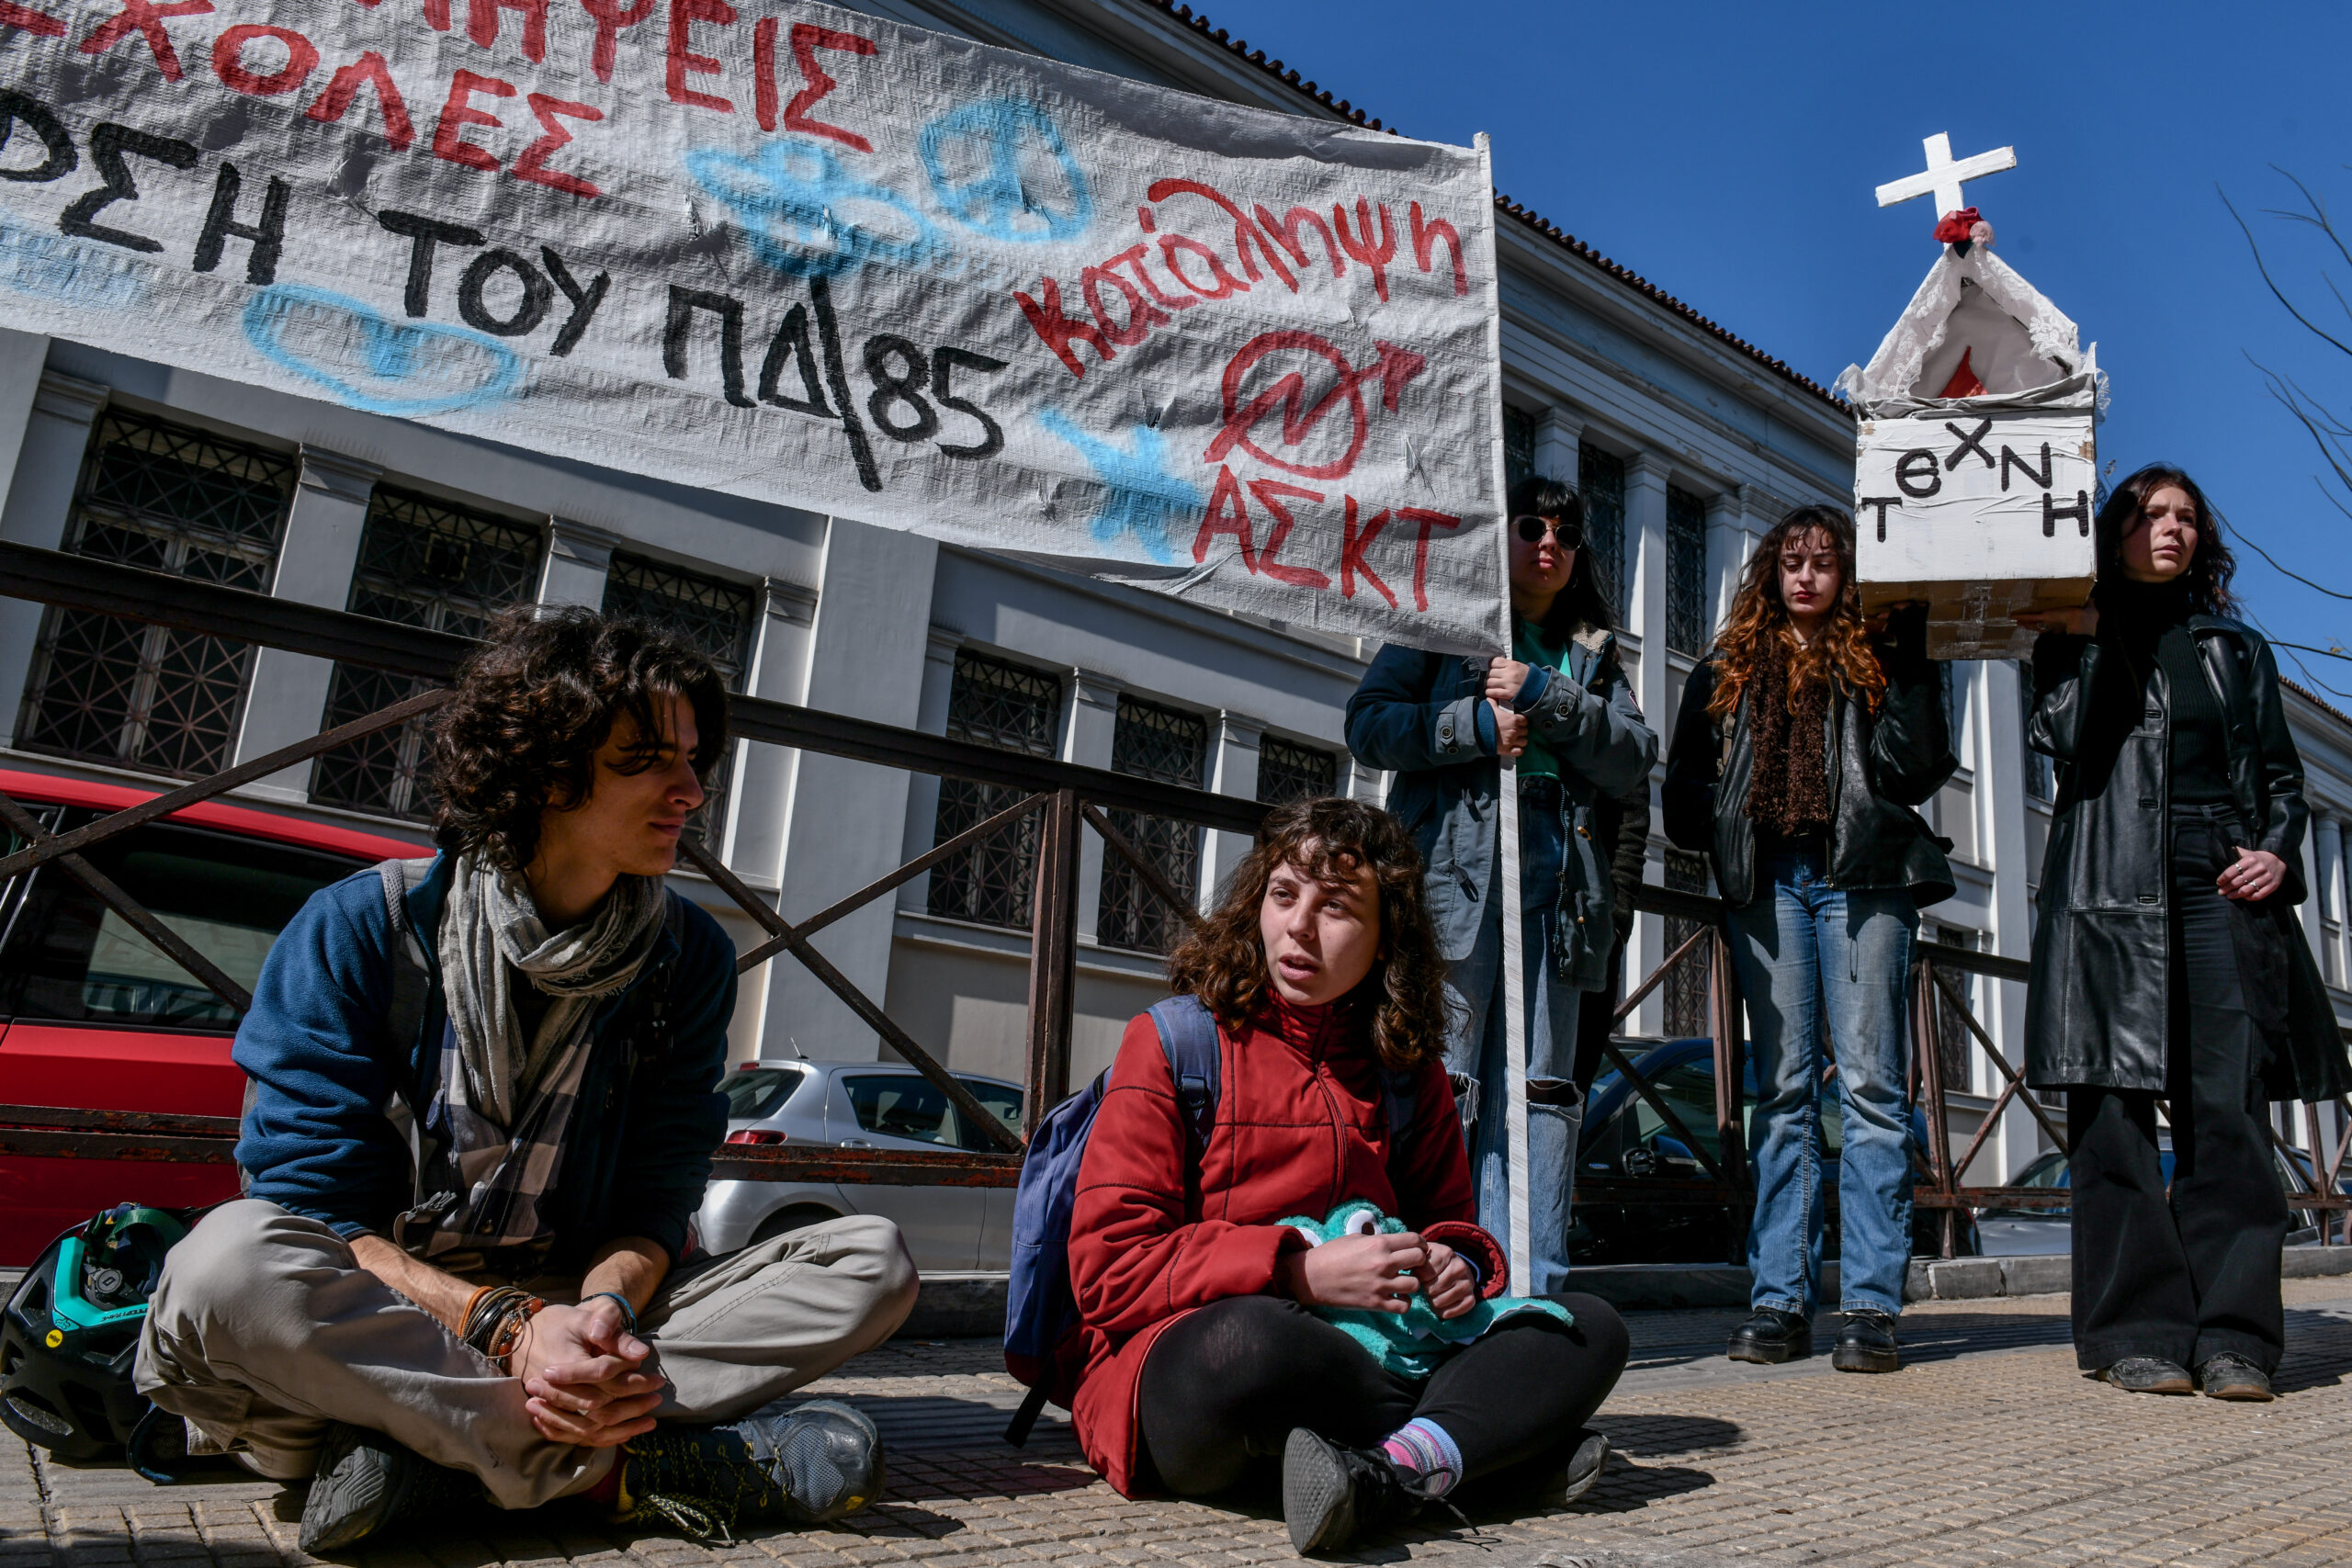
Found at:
(1944, 177)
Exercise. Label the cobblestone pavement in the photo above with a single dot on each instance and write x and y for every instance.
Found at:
(1988, 1447)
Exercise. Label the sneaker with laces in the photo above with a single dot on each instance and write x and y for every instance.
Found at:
(1586, 1461)
(368, 1484)
(1331, 1494)
(2232, 1376)
(811, 1464)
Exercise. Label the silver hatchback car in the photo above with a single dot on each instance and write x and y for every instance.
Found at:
(862, 1105)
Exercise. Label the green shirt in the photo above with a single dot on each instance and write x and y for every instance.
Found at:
(1531, 644)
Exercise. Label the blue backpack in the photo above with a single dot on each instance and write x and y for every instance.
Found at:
(1040, 1313)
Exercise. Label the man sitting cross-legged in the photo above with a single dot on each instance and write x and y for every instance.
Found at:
(486, 1082)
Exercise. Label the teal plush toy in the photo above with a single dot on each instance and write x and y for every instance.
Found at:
(1410, 1344)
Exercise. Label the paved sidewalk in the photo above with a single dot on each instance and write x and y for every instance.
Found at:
(1987, 1448)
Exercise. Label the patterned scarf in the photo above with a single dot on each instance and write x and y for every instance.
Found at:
(1788, 787)
(504, 1104)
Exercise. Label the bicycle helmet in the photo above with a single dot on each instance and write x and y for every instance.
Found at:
(71, 1330)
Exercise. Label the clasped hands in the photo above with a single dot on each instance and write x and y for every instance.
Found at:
(584, 1372)
(1504, 679)
(1379, 1273)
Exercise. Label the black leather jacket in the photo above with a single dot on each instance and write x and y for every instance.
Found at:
(2099, 1001)
(1880, 766)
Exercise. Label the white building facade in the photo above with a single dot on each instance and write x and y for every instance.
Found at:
(1686, 442)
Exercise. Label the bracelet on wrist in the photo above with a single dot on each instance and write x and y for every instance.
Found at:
(628, 1312)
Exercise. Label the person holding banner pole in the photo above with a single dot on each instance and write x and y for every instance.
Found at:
(1563, 712)
(1803, 740)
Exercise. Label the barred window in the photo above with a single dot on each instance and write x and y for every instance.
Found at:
(1686, 572)
(995, 703)
(1519, 445)
(1955, 1052)
(1600, 485)
(1686, 985)
(1172, 746)
(170, 499)
(423, 562)
(1288, 771)
(714, 616)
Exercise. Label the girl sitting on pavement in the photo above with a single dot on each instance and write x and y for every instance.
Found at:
(1206, 1344)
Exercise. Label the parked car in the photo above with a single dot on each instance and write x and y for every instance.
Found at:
(862, 1105)
(1626, 1138)
(93, 1016)
(2022, 1232)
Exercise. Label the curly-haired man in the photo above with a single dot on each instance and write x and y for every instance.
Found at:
(484, 1105)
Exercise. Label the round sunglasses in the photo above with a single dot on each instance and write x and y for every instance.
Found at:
(1564, 534)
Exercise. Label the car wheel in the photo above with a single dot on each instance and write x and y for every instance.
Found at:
(786, 1221)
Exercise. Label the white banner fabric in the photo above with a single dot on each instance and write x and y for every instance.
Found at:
(804, 255)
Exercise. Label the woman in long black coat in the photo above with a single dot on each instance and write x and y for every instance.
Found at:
(2168, 961)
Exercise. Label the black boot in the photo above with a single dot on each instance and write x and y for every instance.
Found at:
(812, 1464)
(1771, 1336)
(367, 1483)
(1866, 1344)
(1331, 1494)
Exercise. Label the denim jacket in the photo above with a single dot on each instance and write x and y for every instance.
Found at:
(1423, 715)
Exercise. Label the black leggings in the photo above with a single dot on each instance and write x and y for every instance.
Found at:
(1225, 1385)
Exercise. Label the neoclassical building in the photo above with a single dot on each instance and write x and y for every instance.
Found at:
(1685, 441)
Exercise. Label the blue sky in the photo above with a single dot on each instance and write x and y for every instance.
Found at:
(1728, 154)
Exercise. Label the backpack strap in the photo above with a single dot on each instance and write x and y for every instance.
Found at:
(1195, 1061)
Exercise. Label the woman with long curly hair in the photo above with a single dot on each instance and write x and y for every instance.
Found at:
(1205, 1338)
(1803, 740)
(2167, 959)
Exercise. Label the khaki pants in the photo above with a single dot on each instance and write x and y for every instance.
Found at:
(265, 1329)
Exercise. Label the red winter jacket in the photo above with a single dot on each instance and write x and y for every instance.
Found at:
(1300, 1129)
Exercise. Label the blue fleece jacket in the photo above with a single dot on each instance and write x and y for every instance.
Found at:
(317, 1045)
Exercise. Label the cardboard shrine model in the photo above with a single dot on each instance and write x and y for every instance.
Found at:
(1974, 465)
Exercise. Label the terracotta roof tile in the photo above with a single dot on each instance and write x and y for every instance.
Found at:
(1240, 49)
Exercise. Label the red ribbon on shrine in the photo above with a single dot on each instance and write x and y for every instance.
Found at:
(1956, 226)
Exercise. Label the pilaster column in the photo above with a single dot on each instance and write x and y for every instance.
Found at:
(846, 818)
(579, 559)
(1559, 433)
(922, 789)
(1728, 543)
(321, 550)
(22, 357)
(763, 803)
(48, 462)
(1234, 771)
(1646, 474)
(1092, 719)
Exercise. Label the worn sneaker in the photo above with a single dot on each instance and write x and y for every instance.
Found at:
(2232, 1376)
(2147, 1374)
(1866, 1344)
(367, 1483)
(1331, 1494)
(1586, 1461)
(809, 1465)
(1771, 1336)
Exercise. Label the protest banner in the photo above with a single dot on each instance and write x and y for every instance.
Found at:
(804, 255)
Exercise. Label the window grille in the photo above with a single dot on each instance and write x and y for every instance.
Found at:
(1172, 746)
(1519, 445)
(423, 562)
(170, 499)
(1600, 485)
(2040, 769)
(995, 704)
(1686, 572)
(1955, 1050)
(1686, 983)
(714, 616)
(1288, 771)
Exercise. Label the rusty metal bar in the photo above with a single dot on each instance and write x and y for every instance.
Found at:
(219, 783)
(1984, 1128)
(170, 1124)
(1926, 1039)
(172, 945)
(894, 1167)
(1656, 976)
(1651, 1098)
(834, 980)
(2015, 1082)
(1723, 1008)
(1053, 958)
(1163, 889)
(2321, 1181)
(904, 874)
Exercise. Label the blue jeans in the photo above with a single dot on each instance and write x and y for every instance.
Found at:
(1804, 951)
(1476, 1051)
